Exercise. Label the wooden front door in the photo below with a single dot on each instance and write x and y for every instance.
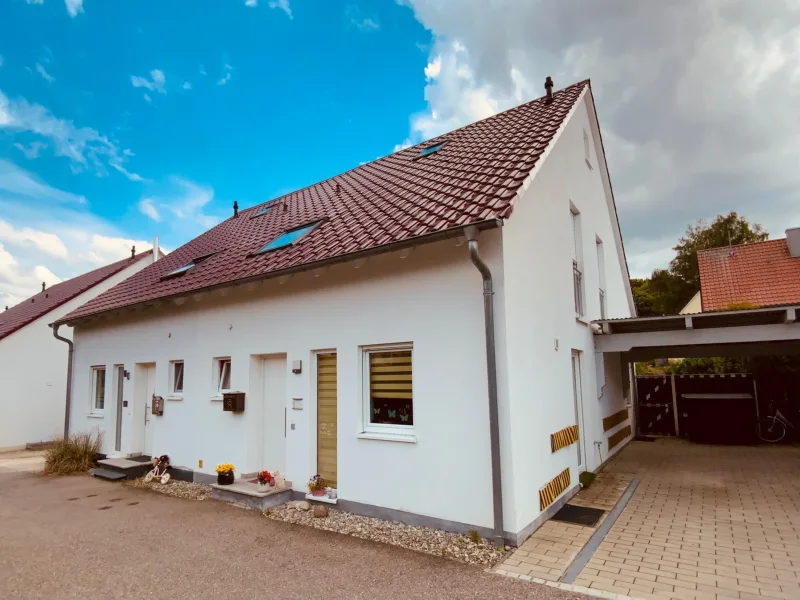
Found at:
(326, 417)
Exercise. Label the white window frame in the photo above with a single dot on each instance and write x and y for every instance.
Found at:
(577, 263)
(219, 376)
(93, 410)
(381, 431)
(601, 274)
(587, 153)
(175, 394)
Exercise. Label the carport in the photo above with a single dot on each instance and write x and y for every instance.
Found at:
(752, 332)
(706, 521)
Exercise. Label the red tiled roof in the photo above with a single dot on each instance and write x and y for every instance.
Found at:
(762, 273)
(473, 178)
(42, 303)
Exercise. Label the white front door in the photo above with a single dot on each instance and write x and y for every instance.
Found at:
(577, 394)
(274, 423)
(141, 416)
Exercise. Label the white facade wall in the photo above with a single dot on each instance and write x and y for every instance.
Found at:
(539, 308)
(33, 369)
(432, 298)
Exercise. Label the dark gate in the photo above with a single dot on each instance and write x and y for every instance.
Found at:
(655, 412)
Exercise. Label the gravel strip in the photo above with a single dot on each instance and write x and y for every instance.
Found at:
(179, 489)
(422, 539)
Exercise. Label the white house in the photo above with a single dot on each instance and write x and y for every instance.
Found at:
(351, 315)
(33, 364)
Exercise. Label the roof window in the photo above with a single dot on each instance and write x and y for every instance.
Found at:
(188, 266)
(265, 209)
(430, 149)
(288, 238)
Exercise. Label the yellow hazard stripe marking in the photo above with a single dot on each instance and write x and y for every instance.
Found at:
(613, 420)
(549, 493)
(619, 436)
(563, 438)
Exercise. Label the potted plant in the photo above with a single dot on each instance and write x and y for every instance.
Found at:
(265, 480)
(316, 485)
(225, 474)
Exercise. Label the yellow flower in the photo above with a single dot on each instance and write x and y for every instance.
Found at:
(225, 468)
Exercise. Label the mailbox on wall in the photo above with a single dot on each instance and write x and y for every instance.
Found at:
(158, 406)
(233, 401)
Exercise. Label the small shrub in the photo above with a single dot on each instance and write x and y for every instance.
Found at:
(586, 478)
(474, 537)
(75, 454)
(443, 551)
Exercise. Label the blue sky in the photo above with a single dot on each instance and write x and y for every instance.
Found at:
(124, 120)
(150, 118)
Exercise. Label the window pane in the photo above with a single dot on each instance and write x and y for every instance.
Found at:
(225, 375)
(178, 377)
(99, 389)
(390, 388)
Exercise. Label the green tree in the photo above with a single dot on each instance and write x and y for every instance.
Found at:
(725, 230)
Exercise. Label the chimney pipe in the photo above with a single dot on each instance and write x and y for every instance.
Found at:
(43, 286)
(133, 251)
(793, 241)
(548, 85)
(155, 249)
(235, 208)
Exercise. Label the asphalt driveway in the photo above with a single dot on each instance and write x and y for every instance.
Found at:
(78, 537)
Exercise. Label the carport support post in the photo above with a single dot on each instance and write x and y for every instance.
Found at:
(675, 406)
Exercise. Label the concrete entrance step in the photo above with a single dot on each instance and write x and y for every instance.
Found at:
(106, 474)
(130, 469)
(244, 492)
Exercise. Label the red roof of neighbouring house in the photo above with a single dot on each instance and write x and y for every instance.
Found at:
(761, 273)
(42, 303)
(473, 178)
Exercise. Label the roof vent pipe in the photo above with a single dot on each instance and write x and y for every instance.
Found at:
(548, 86)
(793, 241)
(155, 249)
(471, 233)
(235, 208)
(43, 285)
(133, 251)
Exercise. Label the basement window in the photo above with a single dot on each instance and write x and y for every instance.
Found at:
(430, 149)
(288, 238)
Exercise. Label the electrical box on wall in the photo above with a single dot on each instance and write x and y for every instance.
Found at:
(233, 402)
(157, 406)
(297, 367)
(297, 404)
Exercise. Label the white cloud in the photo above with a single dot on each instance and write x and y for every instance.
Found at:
(105, 249)
(18, 283)
(226, 75)
(74, 7)
(83, 146)
(49, 243)
(251, 3)
(359, 21)
(147, 98)
(202, 70)
(187, 85)
(32, 150)
(24, 186)
(698, 108)
(35, 1)
(147, 208)
(156, 83)
(282, 5)
(45, 75)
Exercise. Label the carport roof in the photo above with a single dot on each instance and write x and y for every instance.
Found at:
(771, 330)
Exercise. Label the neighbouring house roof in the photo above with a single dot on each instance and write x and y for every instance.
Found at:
(42, 303)
(761, 273)
(473, 177)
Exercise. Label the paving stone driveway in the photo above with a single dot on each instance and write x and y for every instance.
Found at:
(706, 523)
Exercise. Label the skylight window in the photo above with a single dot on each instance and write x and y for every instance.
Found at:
(264, 211)
(430, 149)
(288, 238)
(188, 266)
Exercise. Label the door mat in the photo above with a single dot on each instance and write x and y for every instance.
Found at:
(578, 515)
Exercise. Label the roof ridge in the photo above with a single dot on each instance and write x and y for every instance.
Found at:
(718, 248)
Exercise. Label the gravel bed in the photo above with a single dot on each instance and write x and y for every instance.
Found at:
(179, 489)
(422, 539)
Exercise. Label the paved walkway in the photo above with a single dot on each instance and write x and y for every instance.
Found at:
(78, 537)
(22, 461)
(705, 523)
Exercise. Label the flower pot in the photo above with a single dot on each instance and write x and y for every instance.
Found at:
(263, 487)
(225, 478)
(272, 482)
(318, 493)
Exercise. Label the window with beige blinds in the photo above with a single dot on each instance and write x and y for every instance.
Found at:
(390, 387)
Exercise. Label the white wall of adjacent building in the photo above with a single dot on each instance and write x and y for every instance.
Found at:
(33, 371)
(543, 329)
(431, 299)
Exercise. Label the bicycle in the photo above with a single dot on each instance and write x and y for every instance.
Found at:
(774, 427)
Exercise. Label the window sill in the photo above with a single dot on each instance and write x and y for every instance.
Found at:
(409, 438)
(175, 397)
(582, 321)
(96, 416)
